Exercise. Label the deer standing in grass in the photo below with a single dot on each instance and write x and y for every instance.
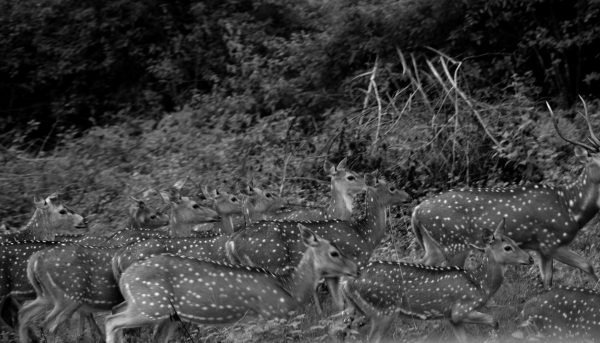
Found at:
(385, 289)
(50, 218)
(79, 278)
(563, 314)
(539, 217)
(205, 292)
(276, 245)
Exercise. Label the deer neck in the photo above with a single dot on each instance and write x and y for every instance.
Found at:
(227, 223)
(489, 275)
(581, 198)
(302, 282)
(341, 203)
(38, 226)
(373, 226)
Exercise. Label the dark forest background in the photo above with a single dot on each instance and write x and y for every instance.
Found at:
(102, 97)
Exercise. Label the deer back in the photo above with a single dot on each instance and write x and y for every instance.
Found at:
(208, 248)
(80, 274)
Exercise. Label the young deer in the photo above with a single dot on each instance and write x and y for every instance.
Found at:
(385, 289)
(185, 213)
(275, 245)
(564, 314)
(206, 292)
(50, 218)
(345, 185)
(541, 218)
(260, 204)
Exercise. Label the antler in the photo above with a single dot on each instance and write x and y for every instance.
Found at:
(592, 138)
(589, 148)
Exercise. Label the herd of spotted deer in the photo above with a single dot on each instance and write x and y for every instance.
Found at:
(251, 256)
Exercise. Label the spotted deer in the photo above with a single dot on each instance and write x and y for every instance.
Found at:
(185, 213)
(276, 245)
(14, 287)
(539, 217)
(143, 221)
(345, 185)
(71, 278)
(260, 204)
(88, 285)
(563, 314)
(386, 289)
(211, 246)
(234, 208)
(49, 219)
(205, 292)
(143, 217)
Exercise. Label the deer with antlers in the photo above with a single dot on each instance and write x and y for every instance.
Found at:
(206, 292)
(539, 217)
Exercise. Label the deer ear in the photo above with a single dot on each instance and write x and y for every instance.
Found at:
(165, 196)
(342, 164)
(328, 168)
(499, 232)
(309, 238)
(39, 203)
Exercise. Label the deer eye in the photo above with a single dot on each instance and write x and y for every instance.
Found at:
(63, 211)
(196, 206)
(153, 216)
(234, 199)
(350, 178)
(392, 189)
(508, 248)
(334, 254)
(268, 195)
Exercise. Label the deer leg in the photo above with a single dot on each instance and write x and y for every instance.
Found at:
(317, 302)
(30, 312)
(61, 317)
(459, 332)
(96, 332)
(566, 256)
(546, 269)
(124, 320)
(379, 326)
(163, 331)
(475, 317)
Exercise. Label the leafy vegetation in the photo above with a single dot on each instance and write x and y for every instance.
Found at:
(102, 100)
